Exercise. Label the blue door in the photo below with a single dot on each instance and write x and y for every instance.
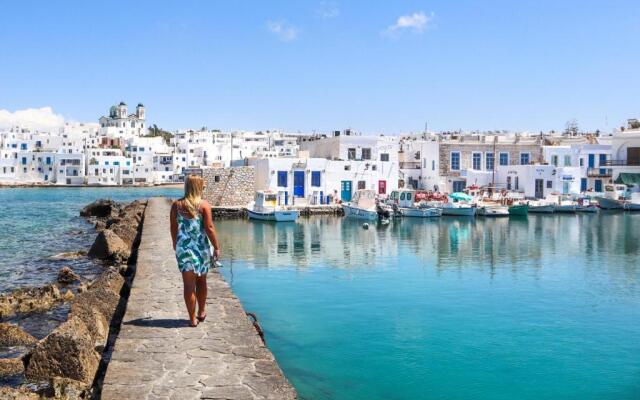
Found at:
(601, 162)
(598, 185)
(345, 191)
(298, 183)
(592, 160)
(583, 184)
(458, 186)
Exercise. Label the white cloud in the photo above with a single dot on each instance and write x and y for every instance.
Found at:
(416, 23)
(328, 9)
(282, 30)
(35, 118)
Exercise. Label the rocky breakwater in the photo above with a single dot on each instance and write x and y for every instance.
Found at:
(64, 364)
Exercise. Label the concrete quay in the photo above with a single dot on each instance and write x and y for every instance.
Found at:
(158, 356)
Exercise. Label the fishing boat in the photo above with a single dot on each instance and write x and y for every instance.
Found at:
(492, 210)
(613, 198)
(519, 210)
(566, 206)
(541, 207)
(403, 204)
(459, 205)
(265, 207)
(585, 205)
(633, 204)
(362, 205)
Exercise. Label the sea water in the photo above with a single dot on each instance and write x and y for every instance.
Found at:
(544, 307)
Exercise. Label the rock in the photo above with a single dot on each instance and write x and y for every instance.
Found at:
(11, 366)
(126, 226)
(29, 300)
(68, 295)
(67, 352)
(68, 389)
(67, 276)
(83, 287)
(13, 335)
(100, 225)
(8, 393)
(109, 246)
(72, 255)
(103, 294)
(101, 208)
(96, 323)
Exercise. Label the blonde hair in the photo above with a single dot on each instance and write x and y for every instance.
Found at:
(193, 188)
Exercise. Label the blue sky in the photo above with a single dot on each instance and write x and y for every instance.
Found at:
(376, 66)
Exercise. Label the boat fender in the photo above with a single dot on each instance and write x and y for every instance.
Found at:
(365, 225)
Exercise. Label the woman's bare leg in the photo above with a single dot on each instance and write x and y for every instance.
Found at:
(201, 294)
(189, 280)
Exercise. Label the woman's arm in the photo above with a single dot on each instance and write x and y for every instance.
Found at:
(174, 224)
(209, 228)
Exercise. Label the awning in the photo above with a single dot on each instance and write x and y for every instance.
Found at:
(628, 178)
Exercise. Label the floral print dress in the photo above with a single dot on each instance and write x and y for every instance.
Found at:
(193, 251)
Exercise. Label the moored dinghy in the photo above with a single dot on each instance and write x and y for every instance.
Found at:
(541, 207)
(403, 204)
(519, 210)
(459, 206)
(613, 197)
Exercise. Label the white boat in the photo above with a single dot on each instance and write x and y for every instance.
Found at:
(633, 204)
(265, 208)
(492, 210)
(585, 205)
(541, 207)
(402, 202)
(418, 212)
(458, 209)
(566, 206)
(613, 197)
(362, 205)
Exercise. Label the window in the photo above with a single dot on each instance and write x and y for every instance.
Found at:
(549, 184)
(476, 161)
(315, 178)
(362, 185)
(216, 178)
(384, 157)
(374, 167)
(508, 183)
(347, 167)
(351, 154)
(524, 158)
(433, 165)
(455, 161)
(106, 163)
(554, 160)
(567, 160)
(24, 160)
(282, 178)
(504, 158)
(366, 154)
(582, 162)
(516, 186)
(489, 162)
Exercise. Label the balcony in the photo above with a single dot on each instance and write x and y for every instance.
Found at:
(622, 163)
(599, 172)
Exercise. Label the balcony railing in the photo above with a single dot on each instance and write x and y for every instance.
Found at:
(599, 172)
(622, 163)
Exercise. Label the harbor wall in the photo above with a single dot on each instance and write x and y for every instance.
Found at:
(229, 187)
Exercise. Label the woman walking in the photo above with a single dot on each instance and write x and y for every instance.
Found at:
(193, 234)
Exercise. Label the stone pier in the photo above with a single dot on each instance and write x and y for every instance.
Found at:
(158, 356)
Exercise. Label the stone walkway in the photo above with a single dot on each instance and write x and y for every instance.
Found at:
(158, 356)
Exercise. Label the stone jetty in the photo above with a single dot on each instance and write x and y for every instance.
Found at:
(158, 356)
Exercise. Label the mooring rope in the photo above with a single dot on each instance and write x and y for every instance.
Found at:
(256, 325)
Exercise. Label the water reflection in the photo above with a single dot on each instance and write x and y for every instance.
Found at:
(445, 243)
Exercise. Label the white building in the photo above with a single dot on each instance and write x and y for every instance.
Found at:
(625, 154)
(121, 124)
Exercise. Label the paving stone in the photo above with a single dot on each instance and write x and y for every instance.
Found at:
(158, 356)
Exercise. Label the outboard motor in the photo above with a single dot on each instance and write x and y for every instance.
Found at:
(383, 213)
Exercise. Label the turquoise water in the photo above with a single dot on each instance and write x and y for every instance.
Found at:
(541, 308)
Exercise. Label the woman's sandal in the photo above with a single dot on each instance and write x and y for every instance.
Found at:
(201, 319)
(192, 325)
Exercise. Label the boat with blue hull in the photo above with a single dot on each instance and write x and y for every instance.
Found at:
(362, 206)
(266, 208)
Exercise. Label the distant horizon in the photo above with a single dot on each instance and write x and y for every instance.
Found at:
(380, 68)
